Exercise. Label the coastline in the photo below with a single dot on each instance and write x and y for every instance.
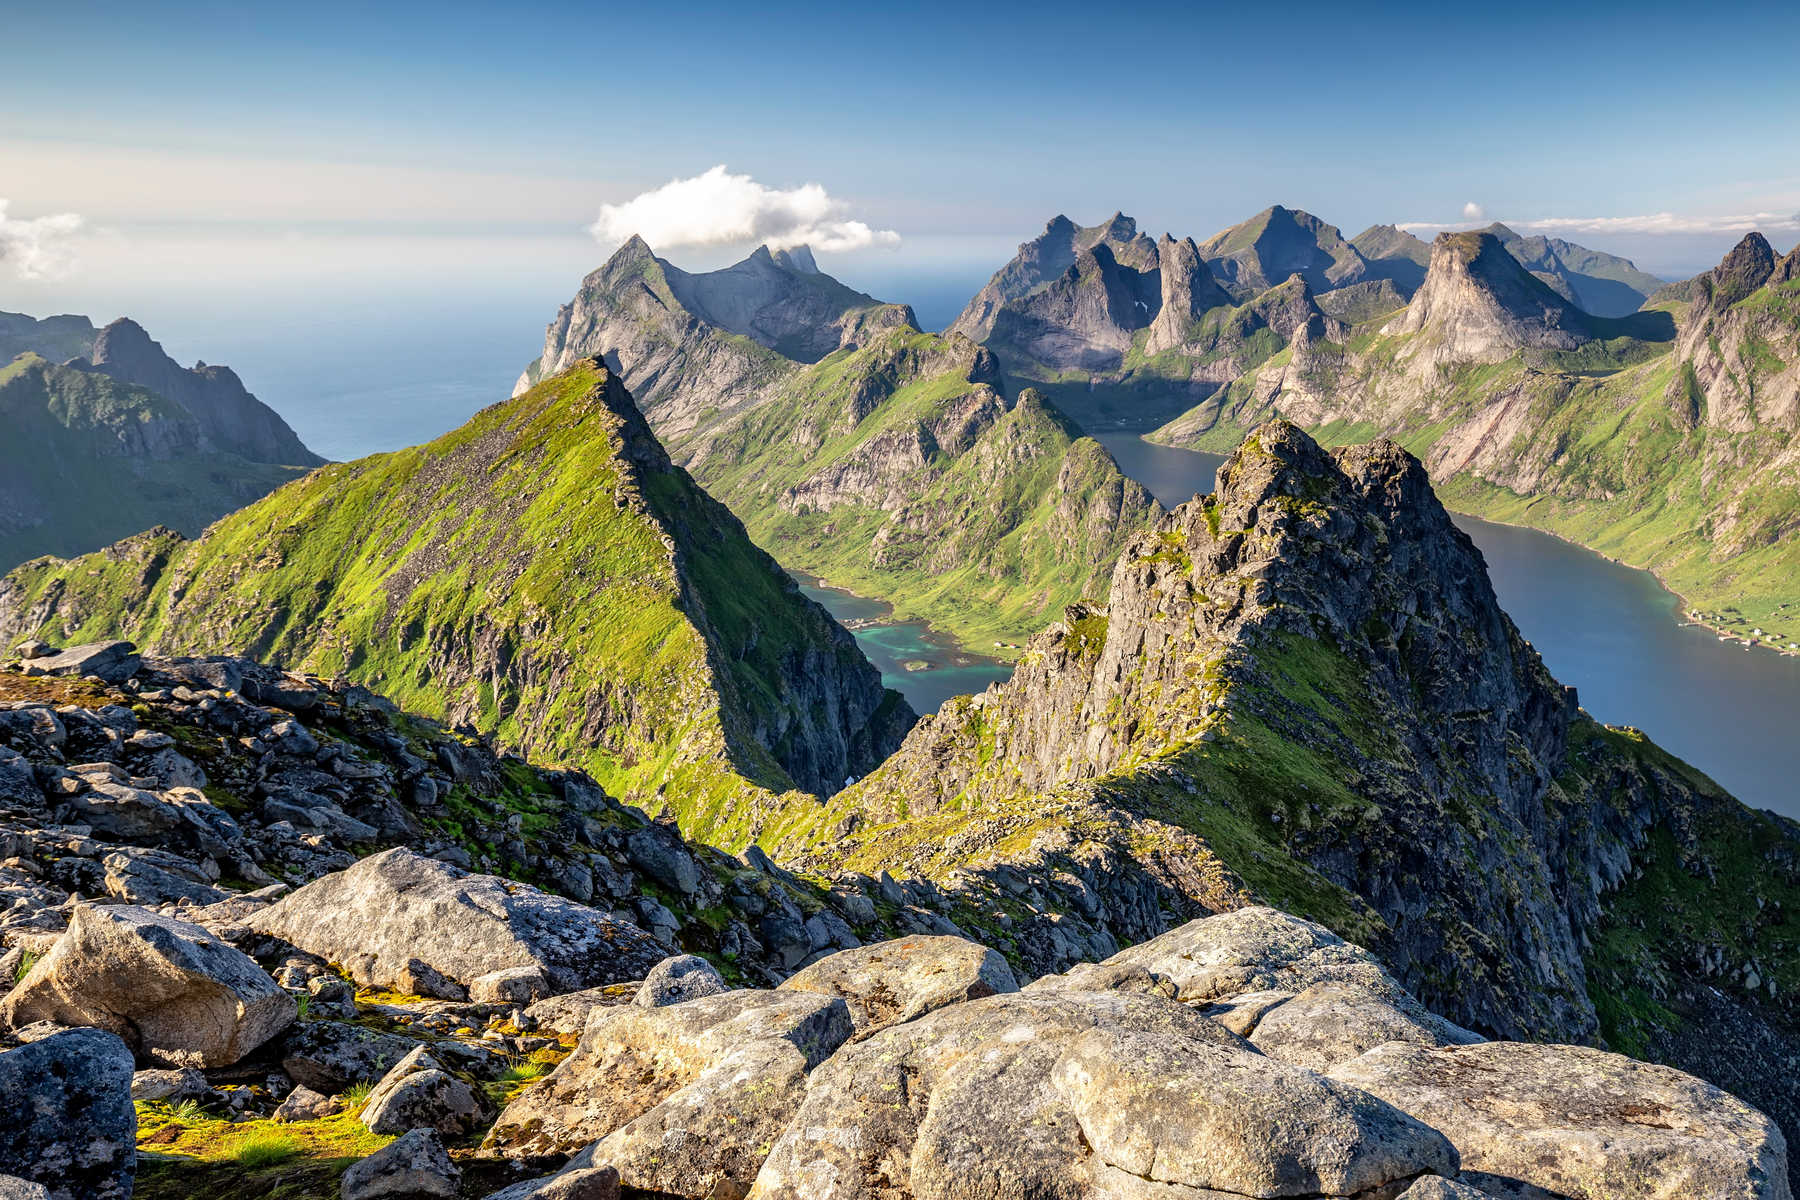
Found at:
(956, 654)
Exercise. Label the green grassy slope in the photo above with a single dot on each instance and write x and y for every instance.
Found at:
(541, 573)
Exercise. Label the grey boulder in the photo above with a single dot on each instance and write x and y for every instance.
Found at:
(115, 662)
(683, 977)
(414, 1166)
(568, 1013)
(418, 1093)
(329, 1056)
(684, 1099)
(304, 1104)
(898, 980)
(178, 994)
(69, 1123)
(1330, 1023)
(1061, 1092)
(400, 920)
(1579, 1122)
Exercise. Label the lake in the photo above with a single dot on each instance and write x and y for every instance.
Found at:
(1609, 630)
(938, 669)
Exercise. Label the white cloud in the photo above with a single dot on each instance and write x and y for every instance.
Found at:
(1647, 223)
(1667, 223)
(37, 248)
(716, 209)
(1473, 211)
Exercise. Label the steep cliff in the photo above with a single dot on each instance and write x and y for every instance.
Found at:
(1047, 258)
(1600, 283)
(87, 460)
(543, 574)
(1259, 253)
(1301, 688)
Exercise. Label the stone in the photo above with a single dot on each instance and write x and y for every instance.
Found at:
(510, 985)
(414, 1166)
(177, 993)
(304, 1104)
(174, 1086)
(1580, 1122)
(115, 662)
(685, 1098)
(1436, 1187)
(329, 1056)
(32, 648)
(568, 1013)
(683, 977)
(587, 1183)
(69, 1123)
(898, 980)
(1330, 1023)
(419, 1094)
(1060, 1092)
(14, 1188)
(658, 853)
(144, 876)
(400, 920)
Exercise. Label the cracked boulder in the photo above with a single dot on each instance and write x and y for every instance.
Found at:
(176, 993)
(1579, 1122)
(1061, 1092)
(403, 921)
(898, 980)
(684, 1099)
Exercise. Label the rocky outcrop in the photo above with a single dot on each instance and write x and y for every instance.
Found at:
(402, 921)
(1599, 283)
(1084, 319)
(1255, 255)
(176, 993)
(1189, 292)
(70, 1127)
(1303, 684)
(418, 1093)
(616, 615)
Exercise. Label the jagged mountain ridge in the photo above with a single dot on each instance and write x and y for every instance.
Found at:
(544, 574)
(1663, 438)
(1301, 689)
(924, 479)
(1048, 257)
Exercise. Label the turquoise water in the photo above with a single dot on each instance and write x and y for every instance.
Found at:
(1612, 632)
(938, 669)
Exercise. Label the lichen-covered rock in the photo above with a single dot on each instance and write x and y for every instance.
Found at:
(414, 1166)
(14, 1188)
(329, 1056)
(175, 1086)
(420, 1094)
(69, 1124)
(178, 994)
(568, 1013)
(572, 1183)
(1059, 1092)
(1330, 1023)
(900, 979)
(510, 985)
(685, 1098)
(1580, 1122)
(683, 977)
(304, 1104)
(112, 661)
(398, 919)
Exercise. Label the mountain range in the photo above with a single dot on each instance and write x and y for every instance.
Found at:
(110, 435)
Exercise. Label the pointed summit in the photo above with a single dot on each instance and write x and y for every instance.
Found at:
(1479, 304)
(1049, 256)
(799, 259)
(1749, 265)
(1278, 242)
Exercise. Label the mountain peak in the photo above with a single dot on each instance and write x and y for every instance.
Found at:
(1481, 304)
(1502, 232)
(1747, 266)
(798, 259)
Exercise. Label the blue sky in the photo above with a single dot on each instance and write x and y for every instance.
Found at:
(252, 144)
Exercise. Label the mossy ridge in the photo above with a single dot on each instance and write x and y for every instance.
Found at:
(521, 575)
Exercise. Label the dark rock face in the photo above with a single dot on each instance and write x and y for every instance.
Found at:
(233, 419)
(69, 1122)
(1100, 272)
